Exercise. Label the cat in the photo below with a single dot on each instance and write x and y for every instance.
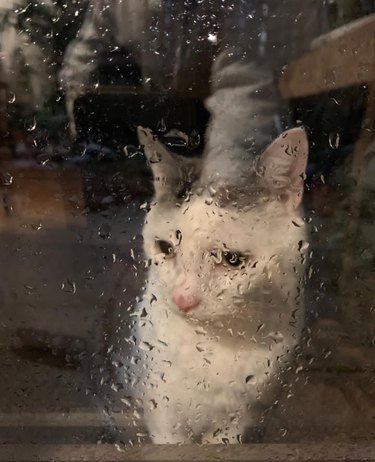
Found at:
(223, 307)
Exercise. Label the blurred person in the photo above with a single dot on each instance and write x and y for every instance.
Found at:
(26, 53)
(228, 54)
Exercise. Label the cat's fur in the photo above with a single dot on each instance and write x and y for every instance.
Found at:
(211, 338)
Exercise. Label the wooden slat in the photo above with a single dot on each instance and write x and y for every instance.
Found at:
(340, 59)
(327, 452)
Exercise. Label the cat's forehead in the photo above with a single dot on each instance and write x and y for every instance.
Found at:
(203, 224)
(203, 219)
(203, 214)
(199, 218)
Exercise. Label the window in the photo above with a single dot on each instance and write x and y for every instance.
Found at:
(187, 229)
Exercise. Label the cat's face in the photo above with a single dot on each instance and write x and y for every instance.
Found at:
(208, 257)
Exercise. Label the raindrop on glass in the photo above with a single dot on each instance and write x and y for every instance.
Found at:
(32, 126)
(161, 126)
(104, 231)
(69, 286)
(334, 140)
(250, 379)
(11, 98)
(6, 179)
(131, 151)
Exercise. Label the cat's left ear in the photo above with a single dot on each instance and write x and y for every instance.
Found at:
(173, 174)
(282, 166)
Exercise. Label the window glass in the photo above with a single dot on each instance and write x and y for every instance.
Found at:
(186, 219)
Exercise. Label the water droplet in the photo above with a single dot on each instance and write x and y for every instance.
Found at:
(69, 286)
(134, 360)
(104, 231)
(199, 347)
(117, 387)
(212, 37)
(212, 191)
(119, 448)
(155, 158)
(277, 337)
(88, 391)
(6, 179)
(145, 346)
(367, 254)
(217, 432)
(30, 290)
(303, 246)
(131, 151)
(11, 98)
(153, 404)
(195, 139)
(178, 237)
(200, 331)
(250, 379)
(31, 127)
(161, 126)
(126, 401)
(334, 140)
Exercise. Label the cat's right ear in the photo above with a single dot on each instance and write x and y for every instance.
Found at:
(172, 174)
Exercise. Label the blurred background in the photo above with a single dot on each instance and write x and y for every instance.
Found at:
(75, 187)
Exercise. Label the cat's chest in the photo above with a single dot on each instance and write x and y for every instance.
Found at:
(186, 352)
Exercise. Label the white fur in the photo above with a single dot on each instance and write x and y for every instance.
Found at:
(204, 372)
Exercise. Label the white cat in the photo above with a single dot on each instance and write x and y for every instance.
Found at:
(223, 308)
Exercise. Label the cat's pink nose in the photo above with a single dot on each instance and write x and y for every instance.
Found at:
(185, 302)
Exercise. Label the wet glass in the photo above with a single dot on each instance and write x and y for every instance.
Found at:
(186, 219)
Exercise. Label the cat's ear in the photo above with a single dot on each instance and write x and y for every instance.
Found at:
(173, 174)
(282, 166)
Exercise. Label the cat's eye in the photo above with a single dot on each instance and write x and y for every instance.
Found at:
(165, 247)
(234, 258)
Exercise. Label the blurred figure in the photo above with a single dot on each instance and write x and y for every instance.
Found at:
(228, 54)
(26, 55)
